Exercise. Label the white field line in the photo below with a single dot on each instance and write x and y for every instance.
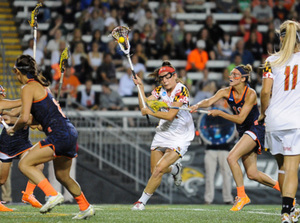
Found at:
(200, 209)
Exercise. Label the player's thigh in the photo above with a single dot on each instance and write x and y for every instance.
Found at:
(4, 171)
(156, 155)
(37, 155)
(244, 146)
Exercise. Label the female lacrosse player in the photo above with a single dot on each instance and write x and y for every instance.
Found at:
(243, 101)
(281, 111)
(14, 147)
(174, 132)
(60, 144)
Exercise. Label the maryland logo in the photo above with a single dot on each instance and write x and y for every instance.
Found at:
(182, 95)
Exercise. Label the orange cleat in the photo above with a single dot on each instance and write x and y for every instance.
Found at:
(30, 198)
(3, 208)
(240, 202)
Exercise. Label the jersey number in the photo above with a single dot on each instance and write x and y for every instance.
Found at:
(287, 77)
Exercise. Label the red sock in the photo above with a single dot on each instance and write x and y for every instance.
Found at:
(30, 188)
(82, 202)
(241, 191)
(276, 187)
(47, 188)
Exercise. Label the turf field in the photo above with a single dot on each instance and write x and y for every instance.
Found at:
(153, 213)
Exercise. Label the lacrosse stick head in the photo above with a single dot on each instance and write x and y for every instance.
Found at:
(34, 13)
(64, 59)
(155, 106)
(121, 31)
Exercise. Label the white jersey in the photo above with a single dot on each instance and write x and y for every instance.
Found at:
(179, 131)
(284, 108)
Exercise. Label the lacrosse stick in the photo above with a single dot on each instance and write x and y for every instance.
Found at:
(62, 64)
(120, 34)
(4, 123)
(34, 25)
(155, 106)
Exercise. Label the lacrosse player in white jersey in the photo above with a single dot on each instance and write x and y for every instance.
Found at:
(174, 132)
(280, 108)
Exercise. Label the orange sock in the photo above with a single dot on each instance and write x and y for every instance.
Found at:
(276, 187)
(47, 188)
(241, 191)
(30, 188)
(82, 202)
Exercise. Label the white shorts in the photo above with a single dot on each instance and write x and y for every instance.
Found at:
(285, 142)
(159, 143)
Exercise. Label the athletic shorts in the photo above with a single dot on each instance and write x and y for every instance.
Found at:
(161, 144)
(62, 141)
(285, 142)
(257, 133)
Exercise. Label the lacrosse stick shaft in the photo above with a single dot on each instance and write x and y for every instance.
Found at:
(4, 124)
(60, 85)
(34, 41)
(188, 109)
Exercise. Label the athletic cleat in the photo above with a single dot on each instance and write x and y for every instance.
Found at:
(240, 202)
(30, 198)
(52, 201)
(3, 208)
(89, 212)
(177, 177)
(295, 214)
(285, 218)
(138, 206)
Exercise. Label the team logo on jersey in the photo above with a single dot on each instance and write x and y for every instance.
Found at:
(164, 93)
(182, 95)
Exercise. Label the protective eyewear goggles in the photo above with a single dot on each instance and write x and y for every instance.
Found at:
(167, 76)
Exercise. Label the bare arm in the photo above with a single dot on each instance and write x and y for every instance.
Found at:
(265, 96)
(170, 115)
(9, 104)
(250, 101)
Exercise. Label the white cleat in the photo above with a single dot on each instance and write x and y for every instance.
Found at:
(295, 214)
(138, 206)
(177, 177)
(285, 218)
(51, 202)
(89, 212)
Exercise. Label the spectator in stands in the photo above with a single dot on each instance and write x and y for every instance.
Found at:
(139, 68)
(69, 86)
(110, 99)
(112, 21)
(270, 38)
(84, 23)
(97, 20)
(197, 58)
(55, 55)
(95, 58)
(41, 41)
(44, 14)
(168, 46)
(107, 71)
(87, 98)
(280, 13)
(182, 74)
(77, 38)
(76, 56)
(209, 44)
(245, 22)
(213, 28)
(237, 60)
(179, 32)
(124, 10)
(57, 24)
(191, 5)
(254, 47)
(96, 4)
(166, 18)
(97, 37)
(148, 37)
(39, 55)
(147, 19)
(53, 44)
(160, 36)
(126, 85)
(263, 12)
(253, 28)
(140, 52)
(84, 70)
(247, 56)
(186, 46)
(225, 47)
(136, 39)
(206, 89)
(67, 10)
(116, 53)
(225, 6)
(244, 5)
